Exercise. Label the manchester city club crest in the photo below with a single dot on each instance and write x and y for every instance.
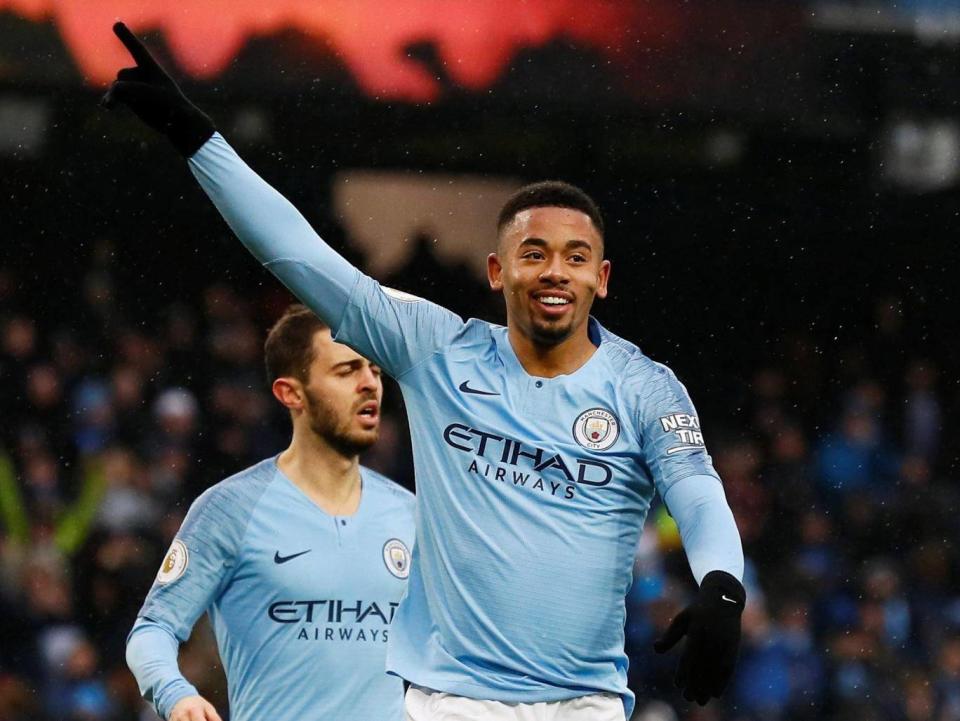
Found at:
(397, 557)
(596, 429)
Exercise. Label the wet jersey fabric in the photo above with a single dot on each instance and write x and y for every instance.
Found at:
(531, 492)
(301, 602)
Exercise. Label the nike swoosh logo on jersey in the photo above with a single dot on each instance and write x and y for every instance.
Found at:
(277, 558)
(724, 597)
(467, 389)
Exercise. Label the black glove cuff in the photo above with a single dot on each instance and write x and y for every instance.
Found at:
(189, 129)
(720, 586)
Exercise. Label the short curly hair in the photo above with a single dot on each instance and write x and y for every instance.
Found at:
(549, 193)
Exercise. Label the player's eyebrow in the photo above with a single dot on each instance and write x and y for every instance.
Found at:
(355, 363)
(541, 243)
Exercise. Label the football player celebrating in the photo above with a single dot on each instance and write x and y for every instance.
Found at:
(538, 449)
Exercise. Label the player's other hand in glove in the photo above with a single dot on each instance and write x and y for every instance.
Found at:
(712, 627)
(152, 95)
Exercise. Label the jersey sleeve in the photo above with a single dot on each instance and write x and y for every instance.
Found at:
(707, 526)
(392, 329)
(671, 438)
(152, 658)
(199, 563)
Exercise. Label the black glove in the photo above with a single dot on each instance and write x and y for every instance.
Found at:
(153, 96)
(712, 627)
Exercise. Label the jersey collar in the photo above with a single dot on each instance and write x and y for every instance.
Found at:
(508, 356)
(295, 490)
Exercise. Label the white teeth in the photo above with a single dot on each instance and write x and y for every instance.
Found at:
(552, 300)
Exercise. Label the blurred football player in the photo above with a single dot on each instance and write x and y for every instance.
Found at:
(300, 560)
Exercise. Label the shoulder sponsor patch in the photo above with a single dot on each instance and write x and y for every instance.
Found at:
(686, 430)
(396, 557)
(596, 429)
(174, 563)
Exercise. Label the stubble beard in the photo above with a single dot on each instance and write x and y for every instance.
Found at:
(550, 334)
(325, 422)
(546, 333)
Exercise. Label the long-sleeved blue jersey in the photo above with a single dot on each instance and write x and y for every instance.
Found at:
(302, 602)
(532, 492)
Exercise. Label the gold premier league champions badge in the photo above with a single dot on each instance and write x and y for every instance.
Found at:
(174, 563)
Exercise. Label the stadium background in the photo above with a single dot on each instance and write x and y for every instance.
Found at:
(780, 185)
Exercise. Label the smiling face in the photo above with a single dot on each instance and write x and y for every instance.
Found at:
(340, 398)
(549, 265)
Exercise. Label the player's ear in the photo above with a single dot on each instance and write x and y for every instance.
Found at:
(287, 391)
(495, 271)
(603, 278)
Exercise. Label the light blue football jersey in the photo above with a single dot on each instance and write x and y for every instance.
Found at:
(301, 602)
(531, 492)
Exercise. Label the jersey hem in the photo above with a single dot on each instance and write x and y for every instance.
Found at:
(459, 687)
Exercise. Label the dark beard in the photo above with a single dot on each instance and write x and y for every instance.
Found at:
(549, 335)
(324, 422)
(346, 445)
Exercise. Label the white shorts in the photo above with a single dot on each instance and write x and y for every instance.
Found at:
(423, 704)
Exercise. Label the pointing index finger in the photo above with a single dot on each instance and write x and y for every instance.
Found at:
(134, 46)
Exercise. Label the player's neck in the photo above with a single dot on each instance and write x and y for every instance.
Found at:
(329, 478)
(549, 361)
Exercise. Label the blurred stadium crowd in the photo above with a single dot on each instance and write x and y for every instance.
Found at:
(833, 466)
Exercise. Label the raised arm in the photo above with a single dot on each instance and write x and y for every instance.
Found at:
(267, 224)
(275, 232)
(394, 330)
